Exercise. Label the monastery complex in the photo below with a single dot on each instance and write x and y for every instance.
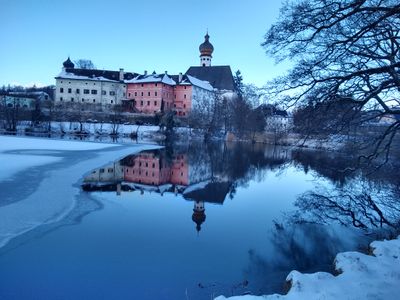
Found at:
(146, 93)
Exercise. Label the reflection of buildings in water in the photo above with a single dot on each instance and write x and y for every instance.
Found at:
(149, 168)
(154, 171)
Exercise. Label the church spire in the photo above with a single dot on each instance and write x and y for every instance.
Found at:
(206, 49)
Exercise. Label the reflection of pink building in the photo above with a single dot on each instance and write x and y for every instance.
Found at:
(148, 168)
(180, 170)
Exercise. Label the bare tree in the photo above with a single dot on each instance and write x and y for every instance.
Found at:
(116, 119)
(11, 112)
(346, 49)
(84, 64)
(206, 114)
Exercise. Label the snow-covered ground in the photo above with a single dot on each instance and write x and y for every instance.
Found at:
(361, 276)
(41, 178)
(17, 162)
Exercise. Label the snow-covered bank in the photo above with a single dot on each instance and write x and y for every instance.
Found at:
(362, 276)
(52, 189)
(8, 143)
(14, 163)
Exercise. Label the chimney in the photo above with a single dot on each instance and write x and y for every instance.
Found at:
(145, 72)
(121, 74)
(180, 77)
(166, 72)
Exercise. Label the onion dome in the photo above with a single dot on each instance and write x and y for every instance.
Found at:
(206, 48)
(68, 64)
(198, 217)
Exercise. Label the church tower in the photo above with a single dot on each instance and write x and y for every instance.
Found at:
(206, 50)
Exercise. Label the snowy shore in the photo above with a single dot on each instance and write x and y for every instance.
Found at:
(361, 276)
(40, 179)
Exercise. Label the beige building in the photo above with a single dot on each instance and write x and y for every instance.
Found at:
(90, 86)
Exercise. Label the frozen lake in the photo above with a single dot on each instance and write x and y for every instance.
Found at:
(86, 220)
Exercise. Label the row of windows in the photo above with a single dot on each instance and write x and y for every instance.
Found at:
(87, 91)
(147, 173)
(69, 82)
(146, 164)
(149, 94)
(83, 100)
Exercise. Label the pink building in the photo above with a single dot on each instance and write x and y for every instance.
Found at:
(155, 93)
(150, 94)
(189, 91)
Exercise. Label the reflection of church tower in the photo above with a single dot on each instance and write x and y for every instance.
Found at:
(206, 50)
(199, 215)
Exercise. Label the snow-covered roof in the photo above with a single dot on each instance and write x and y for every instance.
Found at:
(200, 83)
(67, 75)
(163, 78)
(95, 75)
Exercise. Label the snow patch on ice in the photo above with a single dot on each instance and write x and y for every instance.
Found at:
(8, 143)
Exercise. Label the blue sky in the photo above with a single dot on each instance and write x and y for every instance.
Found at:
(37, 36)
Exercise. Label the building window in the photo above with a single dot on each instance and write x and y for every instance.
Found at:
(61, 90)
(83, 100)
(184, 96)
(72, 99)
(112, 101)
(155, 94)
(94, 100)
(156, 84)
(148, 103)
(135, 94)
(142, 84)
(184, 105)
(141, 103)
(185, 87)
(86, 91)
(103, 93)
(129, 94)
(78, 91)
(155, 103)
(142, 94)
(94, 92)
(148, 94)
(61, 99)
(112, 93)
(69, 91)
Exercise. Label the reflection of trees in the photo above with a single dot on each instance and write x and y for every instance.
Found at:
(342, 168)
(356, 204)
(305, 247)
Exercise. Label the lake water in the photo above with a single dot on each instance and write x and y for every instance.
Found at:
(197, 221)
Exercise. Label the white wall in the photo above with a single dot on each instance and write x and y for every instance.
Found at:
(103, 89)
